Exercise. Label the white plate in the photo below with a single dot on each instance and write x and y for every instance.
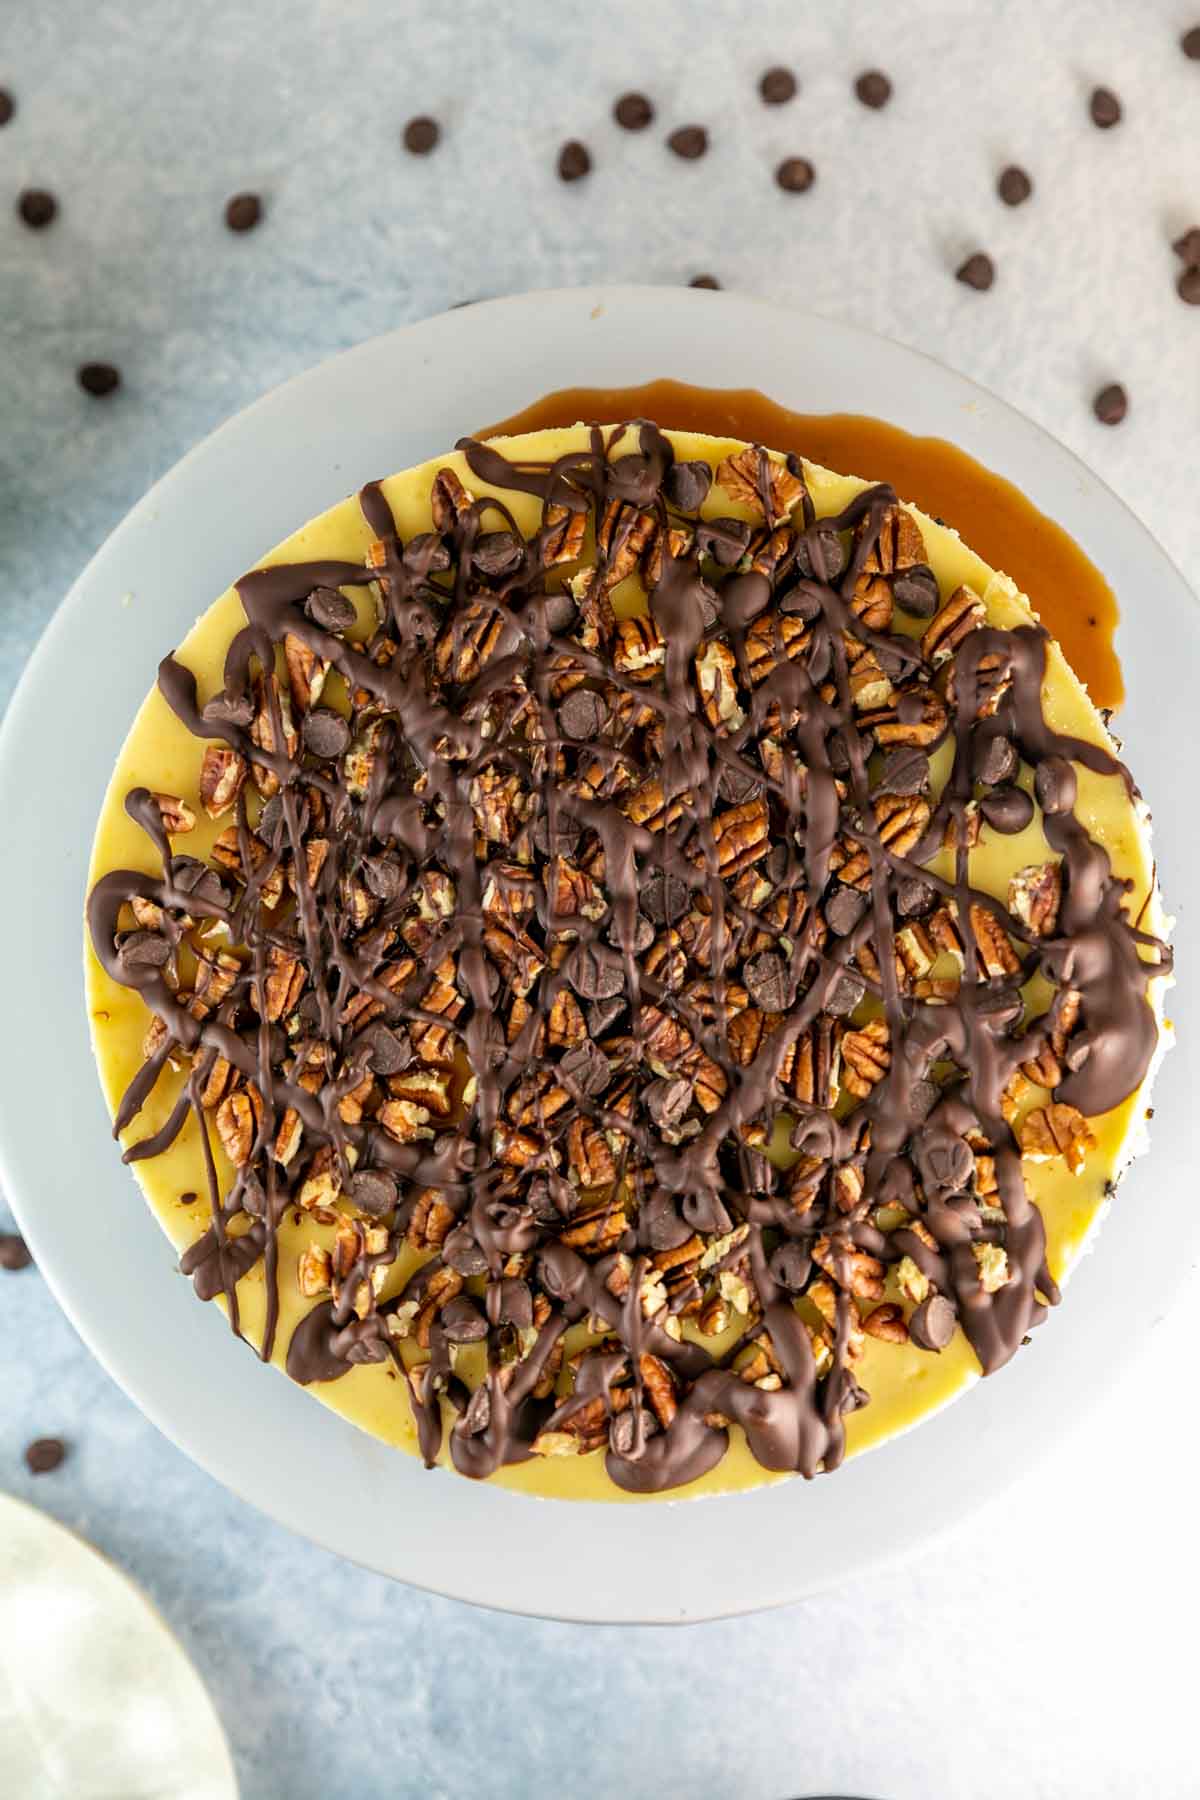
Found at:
(376, 409)
(97, 1699)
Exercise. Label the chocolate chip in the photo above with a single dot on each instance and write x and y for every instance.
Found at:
(1187, 247)
(703, 1211)
(36, 207)
(374, 1192)
(795, 175)
(1055, 785)
(922, 1097)
(1014, 186)
(705, 281)
(425, 552)
(643, 934)
(778, 86)
(790, 1266)
(601, 1014)
(588, 1067)
(271, 821)
(14, 1252)
(595, 974)
(98, 379)
(383, 875)
(567, 834)
(1111, 404)
(978, 272)
(688, 141)
(515, 1303)
(932, 1324)
(8, 106)
(873, 89)
(243, 212)
(633, 112)
(421, 135)
(725, 540)
(664, 898)
(388, 1048)
(226, 709)
(145, 950)
(737, 788)
(497, 553)
(558, 611)
(994, 759)
(1105, 108)
(462, 1254)
(325, 733)
(330, 609)
(766, 980)
(915, 592)
(943, 1162)
(1188, 286)
(1189, 43)
(1007, 810)
(574, 161)
(905, 771)
(659, 1225)
(844, 908)
(686, 484)
(845, 994)
(667, 1101)
(914, 897)
(45, 1455)
(820, 556)
(583, 715)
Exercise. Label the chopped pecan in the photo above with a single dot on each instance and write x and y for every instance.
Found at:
(313, 1271)
(1057, 1130)
(774, 638)
(740, 837)
(897, 725)
(754, 479)
(639, 649)
(991, 1261)
(238, 1118)
(995, 950)
(716, 678)
(306, 671)
(854, 1270)
(886, 1322)
(811, 1068)
(900, 822)
(1034, 897)
(622, 534)
(562, 535)
(449, 500)
(429, 1221)
(222, 774)
(962, 613)
(866, 1057)
(177, 817)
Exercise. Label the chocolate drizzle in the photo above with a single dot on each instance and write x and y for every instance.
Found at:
(550, 951)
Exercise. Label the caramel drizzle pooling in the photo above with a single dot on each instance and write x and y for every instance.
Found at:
(712, 1179)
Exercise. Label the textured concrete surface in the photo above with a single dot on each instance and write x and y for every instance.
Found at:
(1038, 1654)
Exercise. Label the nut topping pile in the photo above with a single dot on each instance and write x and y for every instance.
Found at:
(573, 931)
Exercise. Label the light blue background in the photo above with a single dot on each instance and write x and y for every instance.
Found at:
(1040, 1653)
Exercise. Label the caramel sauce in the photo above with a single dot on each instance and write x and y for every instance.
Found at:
(1064, 587)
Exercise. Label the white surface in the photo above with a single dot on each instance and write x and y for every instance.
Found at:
(97, 1700)
(284, 460)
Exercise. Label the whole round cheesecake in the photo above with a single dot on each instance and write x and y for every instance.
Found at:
(626, 962)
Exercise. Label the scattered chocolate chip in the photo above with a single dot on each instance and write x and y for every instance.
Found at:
(145, 950)
(1014, 186)
(559, 611)
(795, 175)
(659, 1224)
(705, 281)
(1105, 108)
(790, 1266)
(44, 1455)
(188, 1199)
(778, 86)
(821, 556)
(462, 1321)
(664, 898)
(98, 379)
(583, 715)
(1188, 286)
(943, 1161)
(1055, 785)
(388, 1048)
(566, 835)
(462, 1253)
(1189, 43)
(737, 788)
(766, 979)
(8, 106)
(14, 1252)
(383, 875)
(627, 1428)
(595, 974)
(686, 484)
(667, 1101)
(633, 112)
(497, 553)
(873, 89)
(725, 540)
(845, 994)
(688, 141)
(601, 1014)
(922, 1097)
(914, 897)
(844, 908)
(994, 759)
(574, 161)
(915, 592)
(978, 272)
(1007, 810)
(643, 934)
(326, 734)
(36, 207)
(1111, 404)
(905, 771)
(932, 1324)
(588, 1067)
(425, 553)
(330, 609)
(421, 135)
(374, 1192)
(1187, 247)
(243, 212)
(226, 709)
